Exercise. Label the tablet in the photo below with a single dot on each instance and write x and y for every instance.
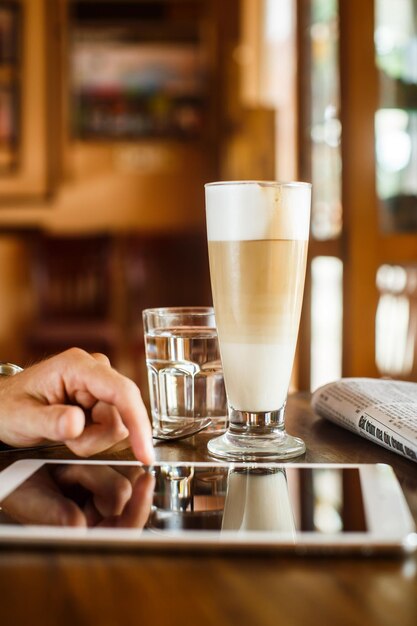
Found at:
(296, 508)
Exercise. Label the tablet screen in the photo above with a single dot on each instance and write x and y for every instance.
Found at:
(186, 497)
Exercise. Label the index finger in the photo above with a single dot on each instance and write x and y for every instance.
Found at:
(80, 372)
(113, 388)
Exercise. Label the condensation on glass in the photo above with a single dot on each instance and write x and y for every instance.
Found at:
(396, 117)
(396, 320)
(325, 121)
(326, 320)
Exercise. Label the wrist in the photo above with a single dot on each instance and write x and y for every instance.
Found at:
(9, 369)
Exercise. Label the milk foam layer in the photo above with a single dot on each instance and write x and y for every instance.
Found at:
(256, 210)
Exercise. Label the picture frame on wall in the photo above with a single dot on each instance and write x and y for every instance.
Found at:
(124, 87)
(9, 32)
(10, 24)
(8, 127)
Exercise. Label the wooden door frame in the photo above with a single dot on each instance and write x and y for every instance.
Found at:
(359, 98)
(359, 244)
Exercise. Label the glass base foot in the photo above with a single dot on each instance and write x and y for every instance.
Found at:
(274, 446)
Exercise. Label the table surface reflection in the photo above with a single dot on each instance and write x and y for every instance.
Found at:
(56, 586)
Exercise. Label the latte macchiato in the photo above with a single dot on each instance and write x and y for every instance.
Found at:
(257, 250)
(257, 239)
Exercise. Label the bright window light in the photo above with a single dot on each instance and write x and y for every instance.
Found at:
(326, 320)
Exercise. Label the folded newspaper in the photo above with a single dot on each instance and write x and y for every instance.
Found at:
(384, 411)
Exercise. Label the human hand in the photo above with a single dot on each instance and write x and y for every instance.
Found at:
(78, 399)
(83, 496)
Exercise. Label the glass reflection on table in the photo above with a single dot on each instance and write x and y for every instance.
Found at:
(258, 499)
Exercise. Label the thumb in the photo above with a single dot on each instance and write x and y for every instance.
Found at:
(57, 422)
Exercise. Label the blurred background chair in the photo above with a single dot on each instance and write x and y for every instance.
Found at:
(160, 270)
(165, 270)
(73, 286)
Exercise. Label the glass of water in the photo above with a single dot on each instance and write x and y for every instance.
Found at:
(184, 368)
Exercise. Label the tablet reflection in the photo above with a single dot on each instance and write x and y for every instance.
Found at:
(258, 500)
(170, 497)
(188, 498)
(83, 496)
(223, 499)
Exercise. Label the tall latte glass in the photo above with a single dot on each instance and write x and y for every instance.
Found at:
(257, 240)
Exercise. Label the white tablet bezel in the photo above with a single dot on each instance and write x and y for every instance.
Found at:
(390, 523)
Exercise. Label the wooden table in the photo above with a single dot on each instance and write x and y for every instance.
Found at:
(59, 588)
